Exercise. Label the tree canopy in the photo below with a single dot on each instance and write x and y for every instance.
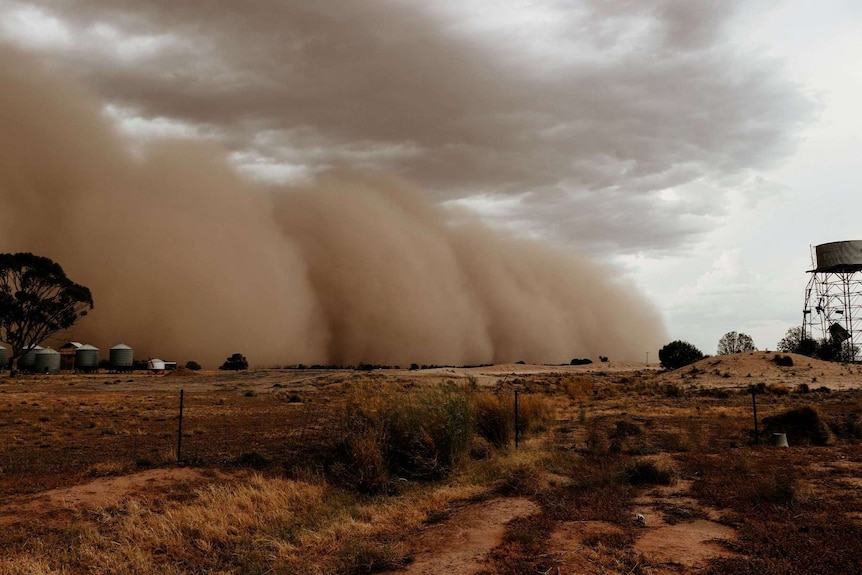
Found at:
(235, 362)
(827, 349)
(795, 342)
(36, 301)
(679, 353)
(733, 342)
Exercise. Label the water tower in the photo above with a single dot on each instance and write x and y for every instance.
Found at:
(833, 298)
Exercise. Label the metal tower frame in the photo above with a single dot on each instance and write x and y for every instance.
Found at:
(833, 308)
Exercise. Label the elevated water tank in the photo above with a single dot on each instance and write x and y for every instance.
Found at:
(4, 357)
(28, 360)
(87, 358)
(839, 256)
(121, 357)
(47, 361)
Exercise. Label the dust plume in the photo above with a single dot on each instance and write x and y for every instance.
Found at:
(187, 260)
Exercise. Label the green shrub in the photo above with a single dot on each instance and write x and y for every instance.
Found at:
(678, 354)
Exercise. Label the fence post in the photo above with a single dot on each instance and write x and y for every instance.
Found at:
(517, 428)
(180, 431)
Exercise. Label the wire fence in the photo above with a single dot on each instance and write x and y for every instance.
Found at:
(140, 430)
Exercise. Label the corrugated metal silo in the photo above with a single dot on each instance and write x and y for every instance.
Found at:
(47, 361)
(87, 358)
(121, 357)
(4, 357)
(28, 360)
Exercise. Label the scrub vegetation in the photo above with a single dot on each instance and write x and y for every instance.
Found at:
(349, 472)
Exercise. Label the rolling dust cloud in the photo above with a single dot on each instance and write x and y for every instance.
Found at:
(188, 260)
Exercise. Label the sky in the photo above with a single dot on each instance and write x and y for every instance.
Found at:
(699, 148)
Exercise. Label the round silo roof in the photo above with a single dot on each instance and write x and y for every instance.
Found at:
(47, 351)
(121, 346)
(87, 346)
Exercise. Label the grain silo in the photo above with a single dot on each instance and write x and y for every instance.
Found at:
(47, 361)
(833, 298)
(121, 357)
(27, 362)
(4, 357)
(67, 354)
(87, 358)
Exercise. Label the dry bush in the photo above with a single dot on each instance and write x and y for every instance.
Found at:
(783, 528)
(648, 473)
(523, 548)
(578, 388)
(389, 435)
(534, 412)
(802, 425)
(494, 416)
(596, 490)
(597, 442)
(519, 473)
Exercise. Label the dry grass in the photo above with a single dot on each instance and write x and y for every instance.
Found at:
(625, 435)
(250, 525)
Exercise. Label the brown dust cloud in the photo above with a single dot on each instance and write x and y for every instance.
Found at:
(188, 260)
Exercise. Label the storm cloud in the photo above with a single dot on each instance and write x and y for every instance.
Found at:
(611, 126)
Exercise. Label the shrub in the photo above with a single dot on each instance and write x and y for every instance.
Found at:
(626, 429)
(678, 354)
(647, 473)
(420, 436)
(802, 425)
(579, 387)
(253, 460)
(783, 360)
(597, 442)
(493, 417)
(193, 365)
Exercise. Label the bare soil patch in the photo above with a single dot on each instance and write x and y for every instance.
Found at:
(460, 544)
(688, 544)
(101, 492)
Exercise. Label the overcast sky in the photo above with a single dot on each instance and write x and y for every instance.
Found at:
(701, 146)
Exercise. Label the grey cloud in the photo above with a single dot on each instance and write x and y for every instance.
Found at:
(662, 100)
